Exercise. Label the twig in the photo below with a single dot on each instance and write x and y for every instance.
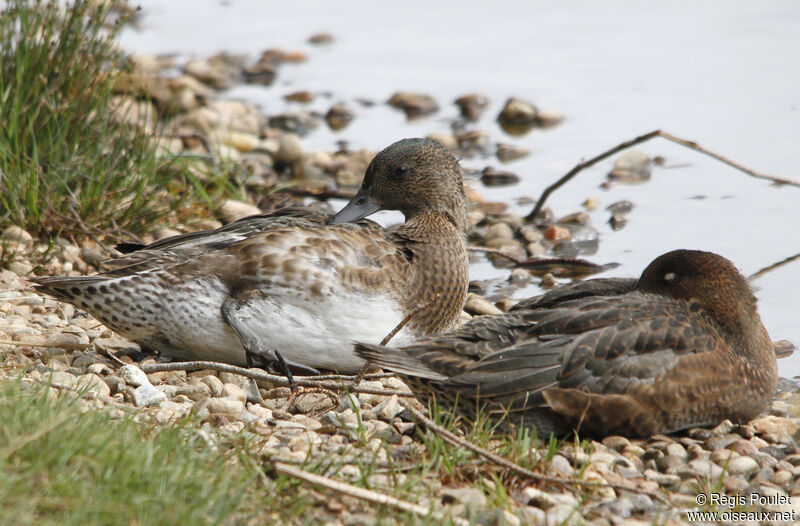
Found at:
(642, 138)
(257, 374)
(417, 308)
(501, 461)
(364, 494)
(781, 263)
(495, 251)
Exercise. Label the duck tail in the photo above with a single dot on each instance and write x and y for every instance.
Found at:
(396, 360)
(65, 288)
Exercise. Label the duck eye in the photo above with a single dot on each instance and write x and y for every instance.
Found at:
(669, 277)
(401, 172)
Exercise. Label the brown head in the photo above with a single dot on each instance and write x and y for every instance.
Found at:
(709, 280)
(414, 176)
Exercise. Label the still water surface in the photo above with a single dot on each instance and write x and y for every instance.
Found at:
(723, 73)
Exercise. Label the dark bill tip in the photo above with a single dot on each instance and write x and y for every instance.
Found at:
(359, 207)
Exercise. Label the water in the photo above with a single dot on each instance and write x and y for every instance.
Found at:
(722, 73)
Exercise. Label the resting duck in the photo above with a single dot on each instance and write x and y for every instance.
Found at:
(304, 285)
(682, 346)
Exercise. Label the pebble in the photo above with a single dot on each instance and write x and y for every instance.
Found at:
(17, 235)
(492, 177)
(414, 104)
(743, 466)
(338, 117)
(222, 406)
(146, 395)
(507, 153)
(133, 376)
(631, 166)
(290, 150)
(472, 105)
(230, 210)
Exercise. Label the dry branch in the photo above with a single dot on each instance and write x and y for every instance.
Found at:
(642, 138)
(504, 462)
(364, 494)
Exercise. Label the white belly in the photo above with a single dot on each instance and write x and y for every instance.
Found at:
(317, 331)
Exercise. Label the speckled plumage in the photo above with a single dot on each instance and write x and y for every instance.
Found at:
(290, 281)
(682, 346)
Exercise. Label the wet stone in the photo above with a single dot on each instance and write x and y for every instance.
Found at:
(631, 167)
(472, 105)
(507, 153)
(338, 117)
(493, 177)
(413, 104)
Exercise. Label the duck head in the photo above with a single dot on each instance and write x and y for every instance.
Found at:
(414, 176)
(709, 280)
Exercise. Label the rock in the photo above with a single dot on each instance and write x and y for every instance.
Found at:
(472, 105)
(742, 466)
(389, 408)
(320, 38)
(223, 407)
(17, 235)
(300, 96)
(479, 306)
(114, 383)
(21, 267)
(298, 122)
(133, 376)
(632, 166)
(414, 104)
(194, 392)
(720, 441)
(620, 207)
(532, 516)
(616, 442)
(507, 153)
(234, 392)
(471, 498)
(774, 425)
(312, 402)
(146, 395)
(499, 230)
(243, 142)
(561, 464)
(338, 117)
(492, 177)
(231, 210)
(94, 384)
(215, 385)
(445, 139)
(290, 150)
(213, 73)
(555, 233)
(517, 112)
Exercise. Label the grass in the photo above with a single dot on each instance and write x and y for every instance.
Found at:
(65, 161)
(62, 464)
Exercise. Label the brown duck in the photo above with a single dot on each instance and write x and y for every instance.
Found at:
(295, 283)
(682, 346)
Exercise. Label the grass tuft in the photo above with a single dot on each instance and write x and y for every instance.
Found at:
(68, 157)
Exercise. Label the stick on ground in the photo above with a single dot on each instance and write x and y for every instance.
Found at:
(642, 138)
(363, 494)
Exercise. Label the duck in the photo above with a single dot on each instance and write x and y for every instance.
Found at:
(293, 285)
(681, 346)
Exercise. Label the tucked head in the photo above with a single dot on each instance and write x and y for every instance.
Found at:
(413, 176)
(706, 278)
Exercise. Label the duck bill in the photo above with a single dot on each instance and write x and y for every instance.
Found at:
(359, 207)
